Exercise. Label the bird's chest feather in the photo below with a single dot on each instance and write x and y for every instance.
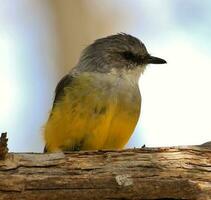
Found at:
(113, 108)
(121, 94)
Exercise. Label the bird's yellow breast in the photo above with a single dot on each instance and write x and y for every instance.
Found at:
(96, 112)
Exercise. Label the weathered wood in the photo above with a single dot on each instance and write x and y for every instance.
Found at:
(146, 173)
(3, 146)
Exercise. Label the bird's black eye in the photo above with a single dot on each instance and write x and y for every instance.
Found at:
(129, 56)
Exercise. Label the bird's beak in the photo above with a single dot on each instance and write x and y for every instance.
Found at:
(155, 60)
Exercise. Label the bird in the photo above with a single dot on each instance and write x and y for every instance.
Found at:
(98, 103)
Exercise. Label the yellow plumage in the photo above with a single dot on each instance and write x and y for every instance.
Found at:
(97, 111)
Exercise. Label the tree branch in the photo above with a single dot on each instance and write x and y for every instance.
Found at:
(146, 173)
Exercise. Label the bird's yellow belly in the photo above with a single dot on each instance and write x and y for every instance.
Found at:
(92, 120)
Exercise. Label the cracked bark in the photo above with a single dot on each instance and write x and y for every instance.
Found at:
(146, 173)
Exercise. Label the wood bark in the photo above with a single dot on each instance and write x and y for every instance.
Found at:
(145, 173)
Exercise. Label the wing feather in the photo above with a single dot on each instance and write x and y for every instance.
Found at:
(60, 88)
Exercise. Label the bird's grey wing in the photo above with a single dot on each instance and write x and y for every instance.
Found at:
(63, 83)
(59, 92)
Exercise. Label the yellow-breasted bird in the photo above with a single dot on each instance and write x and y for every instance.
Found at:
(97, 105)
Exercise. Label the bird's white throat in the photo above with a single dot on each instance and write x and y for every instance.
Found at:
(131, 75)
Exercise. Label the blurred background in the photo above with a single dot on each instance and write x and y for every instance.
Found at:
(40, 41)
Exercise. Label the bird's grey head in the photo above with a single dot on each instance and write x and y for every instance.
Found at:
(120, 51)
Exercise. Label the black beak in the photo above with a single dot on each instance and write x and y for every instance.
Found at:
(155, 60)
